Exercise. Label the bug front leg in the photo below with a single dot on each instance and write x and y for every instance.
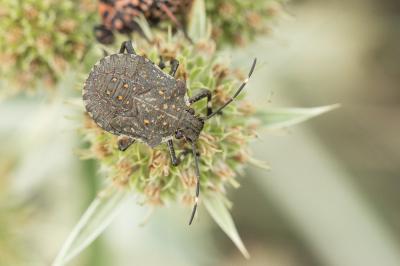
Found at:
(173, 63)
(127, 45)
(124, 142)
(176, 160)
(203, 93)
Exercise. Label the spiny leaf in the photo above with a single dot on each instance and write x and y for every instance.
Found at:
(215, 206)
(93, 222)
(285, 117)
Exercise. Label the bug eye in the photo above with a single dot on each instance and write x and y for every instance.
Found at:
(178, 134)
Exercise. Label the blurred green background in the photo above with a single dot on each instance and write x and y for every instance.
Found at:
(331, 197)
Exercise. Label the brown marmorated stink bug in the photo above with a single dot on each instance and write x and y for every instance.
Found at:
(129, 96)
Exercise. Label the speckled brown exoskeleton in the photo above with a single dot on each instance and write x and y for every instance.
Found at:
(129, 96)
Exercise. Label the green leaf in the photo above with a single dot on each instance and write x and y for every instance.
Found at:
(93, 222)
(197, 21)
(286, 117)
(215, 206)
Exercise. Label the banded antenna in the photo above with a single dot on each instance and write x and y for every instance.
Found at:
(197, 170)
(194, 150)
(237, 92)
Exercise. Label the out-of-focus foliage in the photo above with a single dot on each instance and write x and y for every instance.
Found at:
(235, 22)
(13, 216)
(40, 39)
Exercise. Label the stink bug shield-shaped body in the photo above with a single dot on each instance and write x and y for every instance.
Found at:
(129, 96)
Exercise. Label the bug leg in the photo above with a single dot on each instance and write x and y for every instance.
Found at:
(127, 45)
(200, 95)
(161, 64)
(174, 67)
(176, 160)
(124, 142)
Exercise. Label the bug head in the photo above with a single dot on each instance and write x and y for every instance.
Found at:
(191, 126)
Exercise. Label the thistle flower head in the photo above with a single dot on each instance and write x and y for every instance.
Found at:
(222, 144)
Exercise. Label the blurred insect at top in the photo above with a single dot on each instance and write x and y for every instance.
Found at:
(119, 15)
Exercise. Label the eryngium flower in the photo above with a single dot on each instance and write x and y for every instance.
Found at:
(223, 143)
(41, 38)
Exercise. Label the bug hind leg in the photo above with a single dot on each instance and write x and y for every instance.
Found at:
(127, 45)
(176, 160)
